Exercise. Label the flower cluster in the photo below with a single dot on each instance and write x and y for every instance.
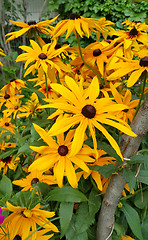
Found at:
(71, 100)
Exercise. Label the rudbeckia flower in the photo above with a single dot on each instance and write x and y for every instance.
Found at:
(8, 162)
(31, 28)
(14, 86)
(126, 114)
(34, 177)
(5, 122)
(56, 156)
(30, 108)
(25, 221)
(76, 24)
(127, 238)
(100, 161)
(87, 111)
(3, 54)
(135, 67)
(4, 96)
(42, 58)
(13, 106)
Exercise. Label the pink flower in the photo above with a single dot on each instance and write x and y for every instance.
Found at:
(1, 217)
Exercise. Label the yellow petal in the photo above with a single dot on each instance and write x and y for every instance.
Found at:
(134, 77)
(94, 90)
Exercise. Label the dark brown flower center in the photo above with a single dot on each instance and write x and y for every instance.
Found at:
(31, 22)
(133, 32)
(42, 56)
(57, 46)
(74, 15)
(6, 160)
(89, 111)
(63, 150)
(96, 52)
(22, 213)
(16, 107)
(6, 96)
(34, 180)
(12, 80)
(143, 62)
(6, 124)
(125, 110)
(17, 237)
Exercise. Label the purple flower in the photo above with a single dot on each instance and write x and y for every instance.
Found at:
(1, 217)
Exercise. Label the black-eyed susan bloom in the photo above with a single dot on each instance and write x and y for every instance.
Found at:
(134, 67)
(78, 25)
(32, 28)
(33, 178)
(24, 221)
(8, 163)
(3, 54)
(86, 111)
(56, 156)
(42, 58)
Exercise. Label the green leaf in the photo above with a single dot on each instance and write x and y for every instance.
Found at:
(83, 218)
(5, 187)
(143, 176)
(139, 159)
(133, 220)
(141, 200)
(65, 213)
(130, 178)
(144, 228)
(7, 153)
(66, 194)
(94, 202)
(108, 170)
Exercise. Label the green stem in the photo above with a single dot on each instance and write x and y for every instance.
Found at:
(143, 77)
(81, 55)
(32, 195)
(46, 85)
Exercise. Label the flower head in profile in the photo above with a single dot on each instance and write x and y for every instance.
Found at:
(100, 161)
(76, 24)
(32, 28)
(126, 98)
(86, 111)
(42, 58)
(3, 54)
(135, 67)
(24, 220)
(14, 86)
(56, 156)
(33, 178)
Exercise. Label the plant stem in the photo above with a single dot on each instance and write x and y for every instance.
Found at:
(81, 55)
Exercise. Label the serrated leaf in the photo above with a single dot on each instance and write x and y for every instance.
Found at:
(65, 213)
(133, 220)
(5, 187)
(66, 194)
(139, 159)
(108, 170)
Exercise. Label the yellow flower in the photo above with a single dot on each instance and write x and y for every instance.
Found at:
(14, 86)
(100, 161)
(13, 106)
(32, 28)
(42, 58)
(87, 111)
(56, 156)
(8, 162)
(127, 238)
(4, 96)
(24, 221)
(34, 177)
(3, 54)
(76, 24)
(126, 114)
(31, 107)
(5, 122)
(135, 67)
